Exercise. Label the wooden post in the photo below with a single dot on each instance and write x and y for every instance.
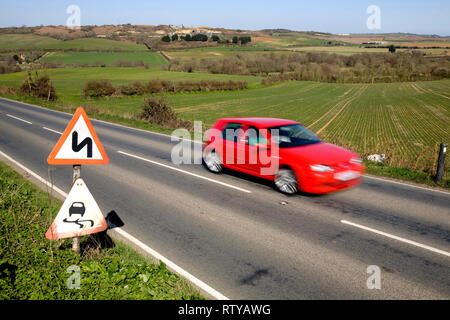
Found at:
(76, 240)
(441, 161)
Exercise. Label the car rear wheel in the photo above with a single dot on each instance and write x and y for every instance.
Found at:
(212, 161)
(286, 181)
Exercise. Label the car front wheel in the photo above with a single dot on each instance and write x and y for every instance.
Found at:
(286, 181)
(212, 161)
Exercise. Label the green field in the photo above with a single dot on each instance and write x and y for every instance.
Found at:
(11, 42)
(152, 59)
(69, 83)
(220, 52)
(406, 121)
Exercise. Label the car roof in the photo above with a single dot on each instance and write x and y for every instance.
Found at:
(260, 121)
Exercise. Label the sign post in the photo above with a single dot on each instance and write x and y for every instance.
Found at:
(79, 214)
(76, 240)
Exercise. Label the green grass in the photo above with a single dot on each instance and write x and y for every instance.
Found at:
(220, 52)
(152, 59)
(32, 267)
(11, 42)
(380, 169)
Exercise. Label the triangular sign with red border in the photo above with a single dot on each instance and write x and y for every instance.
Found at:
(78, 144)
(78, 216)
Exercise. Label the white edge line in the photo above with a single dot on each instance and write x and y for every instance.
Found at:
(406, 184)
(417, 244)
(18, 119)
(185, 172)
(166, 135)
(171, 265)
(48, 129)
(175, 268)
(42, 180)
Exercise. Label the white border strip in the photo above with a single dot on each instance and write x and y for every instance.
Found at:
(185, 172)
(171, 265)
(18, 119)
(423, 246)
(51, 130)
(34, 175)
(406, 184)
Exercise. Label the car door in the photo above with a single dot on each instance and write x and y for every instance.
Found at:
(257, 150)
(230, 136)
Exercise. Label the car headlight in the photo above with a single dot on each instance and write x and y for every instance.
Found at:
(320, 168)
(356, 160)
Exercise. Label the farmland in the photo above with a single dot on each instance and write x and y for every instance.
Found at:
(152, 59)
(10, 42)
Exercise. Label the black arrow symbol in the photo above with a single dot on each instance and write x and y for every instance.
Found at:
(77, 147)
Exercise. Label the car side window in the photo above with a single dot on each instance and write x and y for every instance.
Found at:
(231, 131)
(255, 137)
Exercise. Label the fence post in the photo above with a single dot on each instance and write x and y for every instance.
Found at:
(441, 161)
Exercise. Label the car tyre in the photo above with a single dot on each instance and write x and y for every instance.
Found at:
(286, 181)
(212, 161)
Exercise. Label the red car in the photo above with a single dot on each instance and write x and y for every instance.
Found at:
(283, 151)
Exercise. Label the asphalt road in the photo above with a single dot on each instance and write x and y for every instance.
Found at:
(238, 234)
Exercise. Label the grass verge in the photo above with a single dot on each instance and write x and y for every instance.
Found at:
(32, 267)
(404, 174)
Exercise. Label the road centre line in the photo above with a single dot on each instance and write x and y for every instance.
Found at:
(185, 172)
(18, 118)
(171, 265)
(414, 243)
(48, 129)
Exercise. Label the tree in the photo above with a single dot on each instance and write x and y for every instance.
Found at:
(199, 37)
(235, 40)
(166, 38)
(174, 37)
(391, 48)
(244, 40)
(215, 38)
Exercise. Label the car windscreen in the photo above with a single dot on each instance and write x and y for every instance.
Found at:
(293, 135)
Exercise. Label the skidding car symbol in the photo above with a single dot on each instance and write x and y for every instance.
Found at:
(77, 208)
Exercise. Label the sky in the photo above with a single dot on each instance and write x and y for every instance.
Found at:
(338, 16)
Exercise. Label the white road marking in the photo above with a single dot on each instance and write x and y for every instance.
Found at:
(406, 184)
(18, 119)
(185, 172)
(171, 265)
(417, 244)
(42, 180)
(48, 129)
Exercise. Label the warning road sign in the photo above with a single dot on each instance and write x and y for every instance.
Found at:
(78, 216)
(78, 144)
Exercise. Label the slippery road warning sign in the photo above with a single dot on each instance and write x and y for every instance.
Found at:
(78, 144)
(78, 216)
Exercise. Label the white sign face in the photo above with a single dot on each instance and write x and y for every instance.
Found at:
(78, 216)
(78, 144)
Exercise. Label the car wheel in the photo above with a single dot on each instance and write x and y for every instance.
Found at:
(212, 161)
(286, 181)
